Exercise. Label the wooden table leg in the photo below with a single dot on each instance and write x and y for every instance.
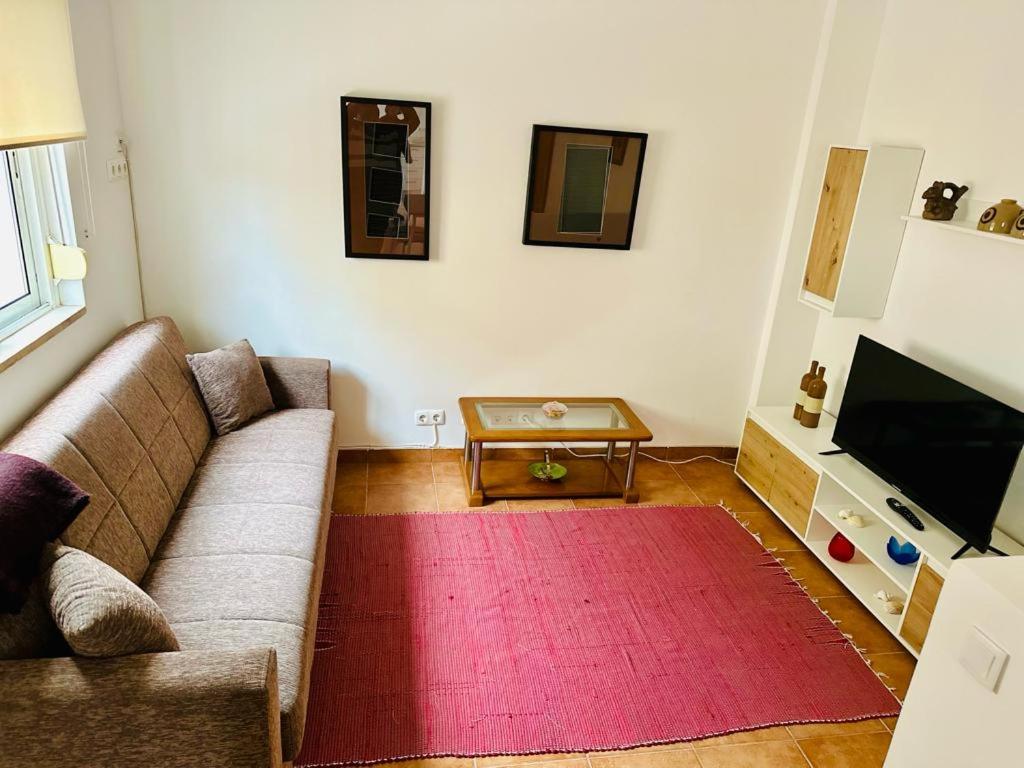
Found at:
(476, 491)
(630, 494)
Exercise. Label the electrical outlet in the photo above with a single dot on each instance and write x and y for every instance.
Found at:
(117, 168)
(429, 417)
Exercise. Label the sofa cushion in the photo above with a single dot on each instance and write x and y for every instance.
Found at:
(232, 384)
(242, 529)
(99, 611)
(282, 458)
(129, 430)
(292, 669)
(267, 587)
(281, 437)
(240, 562)
(36, 505)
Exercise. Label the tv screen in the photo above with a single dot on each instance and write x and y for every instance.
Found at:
(947, 447)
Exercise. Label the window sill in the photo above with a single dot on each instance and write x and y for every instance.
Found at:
(36, 333)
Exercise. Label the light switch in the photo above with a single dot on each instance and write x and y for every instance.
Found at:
(985, 660)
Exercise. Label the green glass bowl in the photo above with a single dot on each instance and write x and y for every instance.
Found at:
(547, 472)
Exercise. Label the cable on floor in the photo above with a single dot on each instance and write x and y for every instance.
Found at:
(367, 447)
(648, 456)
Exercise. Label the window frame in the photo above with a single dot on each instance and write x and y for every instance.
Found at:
(39, 186)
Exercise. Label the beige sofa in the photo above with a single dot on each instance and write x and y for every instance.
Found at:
(226, 534)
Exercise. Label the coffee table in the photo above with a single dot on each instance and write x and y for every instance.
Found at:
(606, 420)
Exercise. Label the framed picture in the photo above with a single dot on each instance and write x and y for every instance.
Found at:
(385, 157)
(583, 187)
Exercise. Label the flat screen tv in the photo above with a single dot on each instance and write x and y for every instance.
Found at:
(946, 446)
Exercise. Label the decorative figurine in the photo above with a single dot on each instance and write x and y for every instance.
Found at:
(804, 383)
(815, 400)
(1000, 217)
(937, 206)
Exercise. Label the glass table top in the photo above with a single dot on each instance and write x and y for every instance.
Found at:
(580, 416)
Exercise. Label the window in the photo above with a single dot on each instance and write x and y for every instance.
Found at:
(35, 209)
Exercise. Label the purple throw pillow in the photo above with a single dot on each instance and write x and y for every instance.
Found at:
(36, 505)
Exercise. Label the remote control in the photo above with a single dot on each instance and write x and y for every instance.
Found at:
(905, 512)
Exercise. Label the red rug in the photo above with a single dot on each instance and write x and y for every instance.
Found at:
(482, 634)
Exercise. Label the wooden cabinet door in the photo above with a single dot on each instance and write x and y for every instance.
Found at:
(784, 482)
(921, 607)
(756, 460)
(835, 216)
(793, 488)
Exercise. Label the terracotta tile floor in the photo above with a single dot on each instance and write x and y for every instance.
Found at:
(395, 487)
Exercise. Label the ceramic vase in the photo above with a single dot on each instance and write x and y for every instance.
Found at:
(1000, 217)
(801, 395)
(815, 400)
(841, 549)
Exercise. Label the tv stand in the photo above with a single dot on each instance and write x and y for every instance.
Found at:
(968, 547)
(807, 482)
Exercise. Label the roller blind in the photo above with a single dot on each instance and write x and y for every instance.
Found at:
(39, 100)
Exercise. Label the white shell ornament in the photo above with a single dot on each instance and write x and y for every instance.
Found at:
(890, 603)
(853, 519)
(554, 409)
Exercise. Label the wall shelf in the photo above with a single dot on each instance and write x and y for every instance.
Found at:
(964, 227)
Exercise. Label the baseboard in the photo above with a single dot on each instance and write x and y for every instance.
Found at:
(384, 455)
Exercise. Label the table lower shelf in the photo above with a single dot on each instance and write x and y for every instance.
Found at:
(504, 479)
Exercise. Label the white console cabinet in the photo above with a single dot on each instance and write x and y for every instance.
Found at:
(781, 462)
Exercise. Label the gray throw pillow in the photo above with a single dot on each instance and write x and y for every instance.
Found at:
(232, 384)
(99, 611)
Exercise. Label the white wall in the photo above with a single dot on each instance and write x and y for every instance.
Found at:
(833, 115)
(112, 288)
(955, 302)
(232, 111)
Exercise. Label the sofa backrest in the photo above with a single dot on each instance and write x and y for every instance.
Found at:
(129, 428)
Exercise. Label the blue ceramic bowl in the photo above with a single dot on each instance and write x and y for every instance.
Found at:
(904, 554)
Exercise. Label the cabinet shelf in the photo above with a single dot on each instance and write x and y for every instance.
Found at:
(773, 450)
(863, 579)
(870, 540)
(966, 228)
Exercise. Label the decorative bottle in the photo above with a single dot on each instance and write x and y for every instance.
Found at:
(814, 401)
(804, 383)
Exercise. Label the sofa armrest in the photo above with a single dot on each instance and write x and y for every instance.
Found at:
(217, 708)
(298, 382)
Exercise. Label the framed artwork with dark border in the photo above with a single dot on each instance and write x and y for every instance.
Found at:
(583, 187)
(385, 166)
